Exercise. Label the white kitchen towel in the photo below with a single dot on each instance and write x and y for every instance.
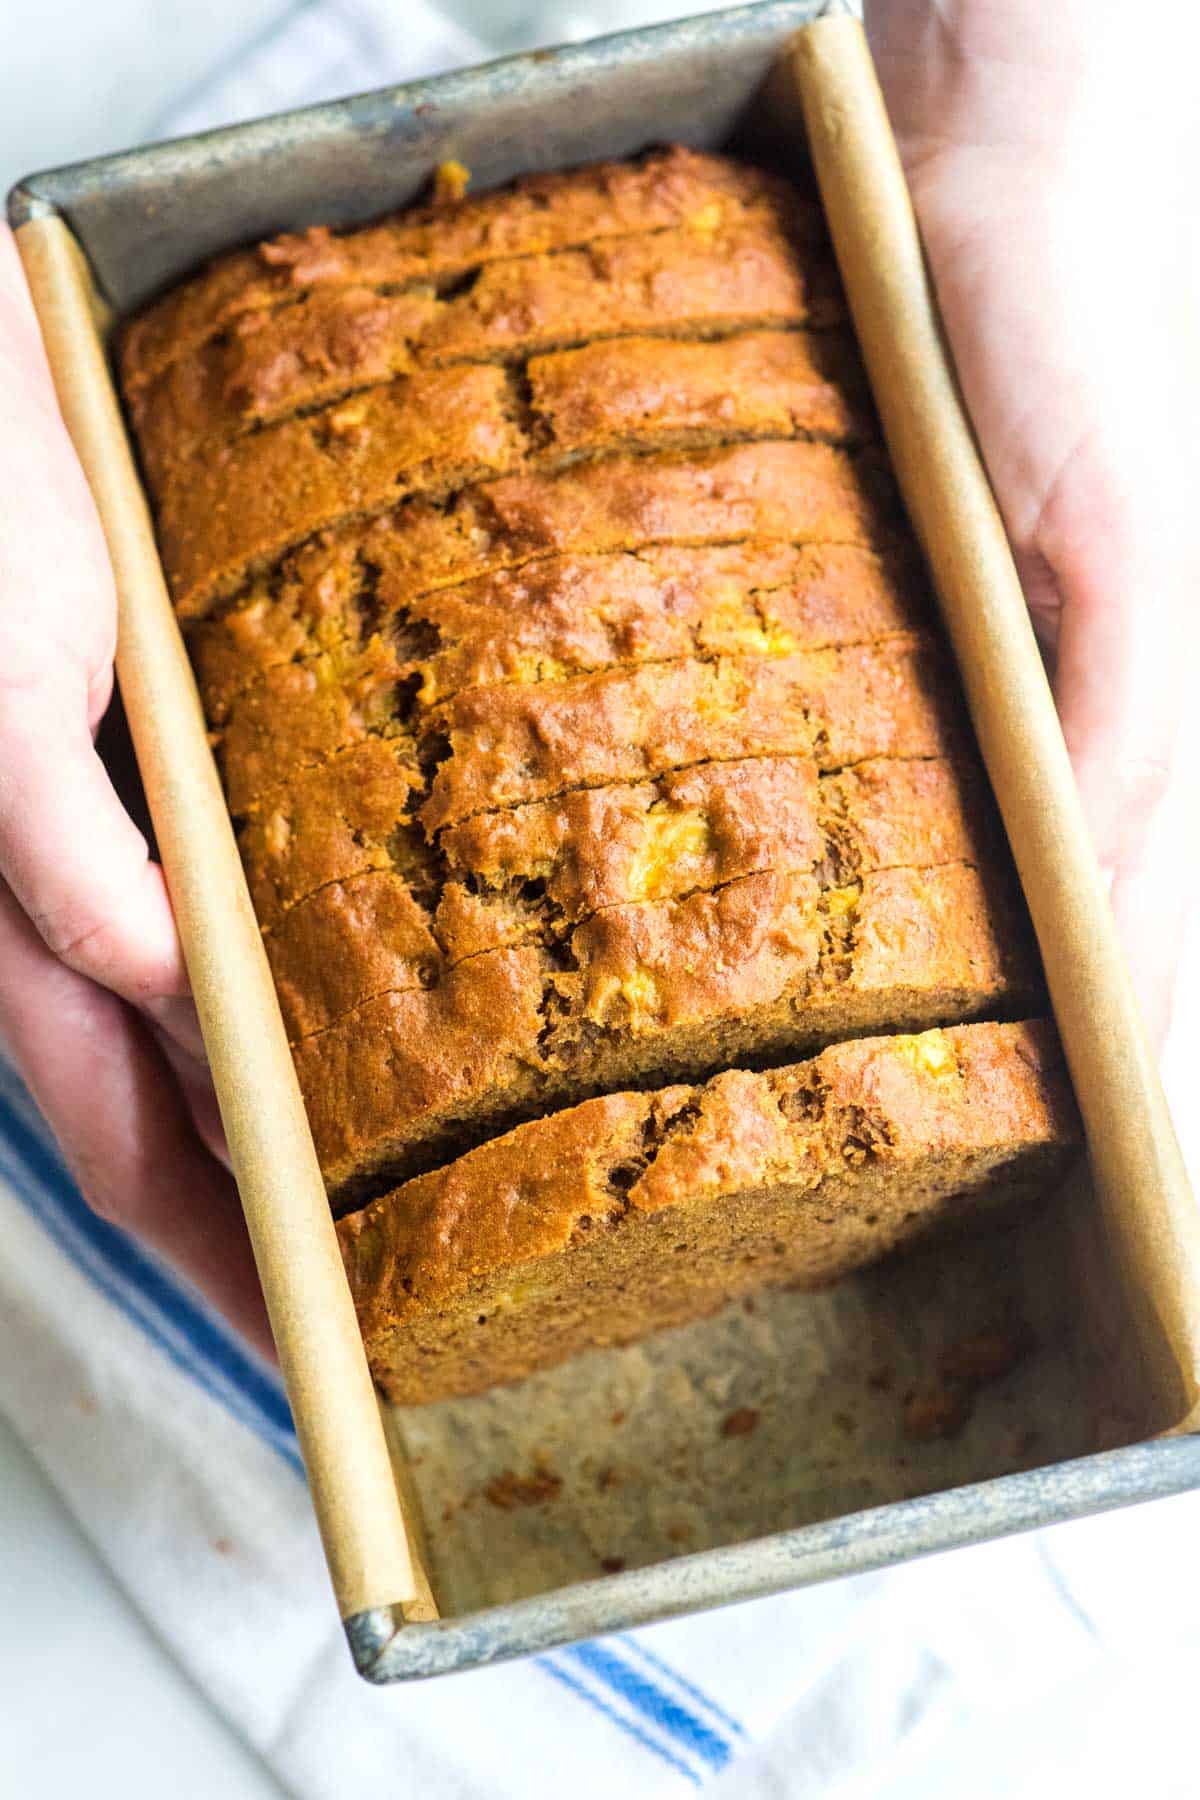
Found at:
(173, 1447)
(1062, 1661)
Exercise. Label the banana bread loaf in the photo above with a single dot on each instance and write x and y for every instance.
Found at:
(586, 726)
(577, 1229)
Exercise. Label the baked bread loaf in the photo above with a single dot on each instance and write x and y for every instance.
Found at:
(586, 726)
(579, 1228)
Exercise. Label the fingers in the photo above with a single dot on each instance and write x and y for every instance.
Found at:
(1121, 664)
(1121, 566)
(70, 853)
(20, 339)
(1073, 370)
(68, 850)
(989, 73)
(195, 1082)
(121, 1119)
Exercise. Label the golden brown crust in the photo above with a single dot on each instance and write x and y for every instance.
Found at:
(547, 620)
(787, 492)
(507, 745)
(268, 365)
(569, 677)
(662, 988)
(223, 516)
(239, 506)
(807, 1171)
(351, 939)
(761, 383)
(557, 616)
(345, 818)
(304, 715)
(671, 283)
(676, 281)
(311, 602)
(436, 244)
(792, 492)
(596, 845)
(503, 745)
(526, 876)
(703, 826)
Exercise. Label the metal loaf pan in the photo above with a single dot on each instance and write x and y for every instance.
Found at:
(615, 1491)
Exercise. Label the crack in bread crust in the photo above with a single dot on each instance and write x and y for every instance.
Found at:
(345, 617)
(766, 492)
(533, 875)
(498, 745)
(357, 341)
(224, 518)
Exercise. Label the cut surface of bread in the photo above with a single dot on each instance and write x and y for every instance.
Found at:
(637, 1211)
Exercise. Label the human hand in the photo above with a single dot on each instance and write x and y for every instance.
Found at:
(94, 1006)
(1050, 159)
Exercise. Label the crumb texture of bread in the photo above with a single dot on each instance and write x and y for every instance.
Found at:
(638, 1210)
(594, 753)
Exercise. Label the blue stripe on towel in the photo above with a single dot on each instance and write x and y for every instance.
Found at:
(199, 1343)
(681, 1681)
(630, 1726)
(178, 1323)
(641, 1692)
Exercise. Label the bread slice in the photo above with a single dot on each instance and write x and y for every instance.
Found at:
(224, 515)
(797, 492)
(530, 875)
(351, 814)
(439, 245)
(548, 621)
(763, 383)
(637, 1211)
(791, 492)
(509, 742)
(765, 967)
(669, 283)
(330, 608)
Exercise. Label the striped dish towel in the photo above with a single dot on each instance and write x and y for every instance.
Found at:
(174, 1448)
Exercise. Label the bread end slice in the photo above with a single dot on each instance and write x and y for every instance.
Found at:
(635, 1211)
